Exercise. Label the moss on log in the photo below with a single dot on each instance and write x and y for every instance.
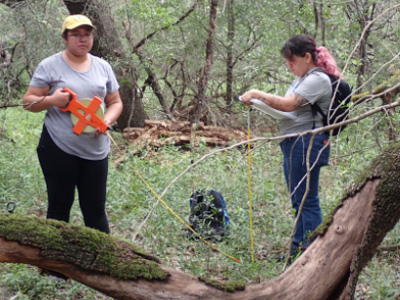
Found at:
(328, 269)
(387, 85)
(83, 247)
(227, 286)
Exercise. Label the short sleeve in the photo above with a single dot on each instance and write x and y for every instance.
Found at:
(314, 87)
(40, 77)
(112, 84)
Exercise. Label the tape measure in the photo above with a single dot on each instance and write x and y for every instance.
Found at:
(85, 112)
(99, 112)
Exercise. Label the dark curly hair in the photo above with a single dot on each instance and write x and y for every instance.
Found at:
(301, 44)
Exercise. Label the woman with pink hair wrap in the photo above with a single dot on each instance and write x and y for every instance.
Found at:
(311, 66)
(299, 45)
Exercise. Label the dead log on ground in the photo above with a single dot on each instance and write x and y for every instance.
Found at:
(160, 133)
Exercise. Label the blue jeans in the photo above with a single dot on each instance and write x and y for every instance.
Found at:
(295, 168)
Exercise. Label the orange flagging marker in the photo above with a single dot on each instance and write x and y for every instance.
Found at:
(86, 114)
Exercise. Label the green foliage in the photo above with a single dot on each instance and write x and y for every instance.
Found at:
(23, 282)
(177, 55)
(130, 202)
(380, 287)
(28, 33)
(153, 12)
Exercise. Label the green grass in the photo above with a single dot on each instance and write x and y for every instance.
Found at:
(130, 202)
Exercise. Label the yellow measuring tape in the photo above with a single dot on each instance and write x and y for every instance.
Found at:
(171, 210)
(249, 171)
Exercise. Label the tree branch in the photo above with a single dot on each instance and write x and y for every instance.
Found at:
(183, 17)
(329, 268)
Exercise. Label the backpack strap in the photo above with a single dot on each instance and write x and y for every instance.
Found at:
(315, 107)
(315, 110)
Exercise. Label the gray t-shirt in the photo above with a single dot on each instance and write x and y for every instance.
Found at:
(98, 81)
(315, 86)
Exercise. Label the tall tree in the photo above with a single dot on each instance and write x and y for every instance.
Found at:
(363, 12)
(200, 99)
(229, 58)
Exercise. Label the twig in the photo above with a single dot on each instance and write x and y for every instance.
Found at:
(269, 139)
(184, 16)
(26, 106)
(389, 248)
(364, 32)
(29, 105)
(10, 105)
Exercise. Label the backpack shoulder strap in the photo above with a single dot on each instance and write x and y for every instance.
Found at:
(315, 110)
(315, 107)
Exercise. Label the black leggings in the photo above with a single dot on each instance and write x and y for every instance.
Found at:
(63, 172)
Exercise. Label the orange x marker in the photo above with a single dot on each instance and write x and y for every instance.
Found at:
(88, 117)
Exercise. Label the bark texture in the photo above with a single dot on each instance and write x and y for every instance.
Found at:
(328, 269)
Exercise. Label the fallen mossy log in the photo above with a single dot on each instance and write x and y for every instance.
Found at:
(328, 269)
(391, 86)
(83, 247)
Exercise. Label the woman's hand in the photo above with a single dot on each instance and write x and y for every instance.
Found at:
(246, 97)
(114, 108)
(105, 132)
(36, 99)
(289, 103)
(60, 98)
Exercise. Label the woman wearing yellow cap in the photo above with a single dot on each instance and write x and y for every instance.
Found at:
(71, 160)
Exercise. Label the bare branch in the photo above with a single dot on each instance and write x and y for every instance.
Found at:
(183, 17)
(365, 30)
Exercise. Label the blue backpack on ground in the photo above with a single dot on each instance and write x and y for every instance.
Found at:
(208, 214)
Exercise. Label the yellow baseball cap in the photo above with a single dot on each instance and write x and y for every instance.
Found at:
(74, 21)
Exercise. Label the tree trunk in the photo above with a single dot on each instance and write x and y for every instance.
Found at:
(107, 43)
(328, 269)
(364, 19)
(322, 18)
(203, 83)
(229, 59)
